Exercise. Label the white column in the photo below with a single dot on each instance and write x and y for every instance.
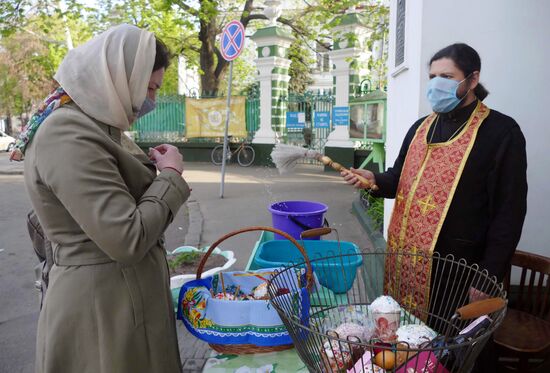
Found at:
(265, 134)
(272, 44)
(182, 70)
(339, 137)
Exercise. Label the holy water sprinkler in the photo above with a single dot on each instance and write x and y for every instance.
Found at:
(285, 158)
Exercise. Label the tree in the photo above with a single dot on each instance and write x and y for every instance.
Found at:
(34, 38)
(165, 21)
(299, 71)
(59, 24)
(25, 73)
(189, 27)
(311, 20)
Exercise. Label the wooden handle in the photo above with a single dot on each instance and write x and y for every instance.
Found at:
(324, 159)
(480, 308)
(315, 232)
(338, 167)
(366, 183)
(309, 269)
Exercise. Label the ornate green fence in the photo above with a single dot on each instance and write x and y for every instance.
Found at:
(165, 124)
(252, 109)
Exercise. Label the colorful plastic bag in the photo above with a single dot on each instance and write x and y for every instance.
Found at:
(256, 322)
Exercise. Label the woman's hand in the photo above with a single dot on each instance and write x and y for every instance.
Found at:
(351, 179)
(166, 156)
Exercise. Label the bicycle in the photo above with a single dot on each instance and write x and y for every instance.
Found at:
(245, 153)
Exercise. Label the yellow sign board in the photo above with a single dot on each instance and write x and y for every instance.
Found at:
(205, 117)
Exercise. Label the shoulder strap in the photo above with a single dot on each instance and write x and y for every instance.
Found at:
(41, 244)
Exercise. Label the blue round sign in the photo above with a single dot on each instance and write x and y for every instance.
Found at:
(232, 40)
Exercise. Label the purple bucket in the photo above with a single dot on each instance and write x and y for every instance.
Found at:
(294, 217)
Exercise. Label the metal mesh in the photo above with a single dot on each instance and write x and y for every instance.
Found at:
(450, 282)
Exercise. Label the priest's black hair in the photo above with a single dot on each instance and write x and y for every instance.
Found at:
(466, 59)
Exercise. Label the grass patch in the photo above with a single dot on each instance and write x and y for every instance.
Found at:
(189, 257)
(374, 207)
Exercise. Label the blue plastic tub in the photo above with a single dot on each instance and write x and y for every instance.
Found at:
(336, 273)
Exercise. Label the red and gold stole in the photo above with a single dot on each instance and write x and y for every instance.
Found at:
(426, 187)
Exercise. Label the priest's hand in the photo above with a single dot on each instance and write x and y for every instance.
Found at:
(351, 177)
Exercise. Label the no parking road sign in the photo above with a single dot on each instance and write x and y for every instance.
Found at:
(232, 42)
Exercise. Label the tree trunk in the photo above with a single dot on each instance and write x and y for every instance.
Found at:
(207, 36)
(212, 63)
(9, 130)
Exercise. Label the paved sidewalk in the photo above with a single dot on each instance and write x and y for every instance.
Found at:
(9, 168)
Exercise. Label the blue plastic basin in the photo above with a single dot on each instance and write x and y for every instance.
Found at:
(336, 273)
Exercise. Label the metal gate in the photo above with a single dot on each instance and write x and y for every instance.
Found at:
(311, 136)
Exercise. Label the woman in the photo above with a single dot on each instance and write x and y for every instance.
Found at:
(108, 306)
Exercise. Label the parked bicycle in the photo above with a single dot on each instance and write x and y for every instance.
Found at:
(245, 153)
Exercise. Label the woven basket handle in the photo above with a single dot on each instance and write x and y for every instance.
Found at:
(309, 270)
(480, 308)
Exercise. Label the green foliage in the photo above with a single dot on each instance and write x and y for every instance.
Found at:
(25, 72)
(188, 27)
(374, 208)
(251, 90)
(173, 27)
(189, 257)
(300, 67)
(49, 26)
(374, 15)
(380, 26)
(244, 73)
(209, 10)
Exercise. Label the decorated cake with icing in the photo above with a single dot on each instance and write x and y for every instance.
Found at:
(415, 335)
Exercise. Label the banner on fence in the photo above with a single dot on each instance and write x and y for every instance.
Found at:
(205, 117)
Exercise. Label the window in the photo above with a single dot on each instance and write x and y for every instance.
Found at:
(367, 121)
(400, 33)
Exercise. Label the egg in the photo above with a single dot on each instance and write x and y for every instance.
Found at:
(385, 359)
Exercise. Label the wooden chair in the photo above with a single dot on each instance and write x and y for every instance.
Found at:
(525, 332)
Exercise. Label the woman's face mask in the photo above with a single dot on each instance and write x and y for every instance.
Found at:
(442, 94)
(155, 82)
(147, 107)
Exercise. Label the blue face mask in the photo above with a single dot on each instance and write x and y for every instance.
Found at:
(147, 107)
(442, 94)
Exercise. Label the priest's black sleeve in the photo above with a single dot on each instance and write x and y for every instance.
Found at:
(388, 181)
(508, 203)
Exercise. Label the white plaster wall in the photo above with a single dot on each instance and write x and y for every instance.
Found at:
(512, 38)
(188, 79)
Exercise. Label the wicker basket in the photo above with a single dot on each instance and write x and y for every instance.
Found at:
(241, 349)
(247, 349)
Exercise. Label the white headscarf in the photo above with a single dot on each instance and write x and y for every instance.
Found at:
(107, 77)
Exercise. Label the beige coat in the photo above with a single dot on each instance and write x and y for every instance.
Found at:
(108, 306)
